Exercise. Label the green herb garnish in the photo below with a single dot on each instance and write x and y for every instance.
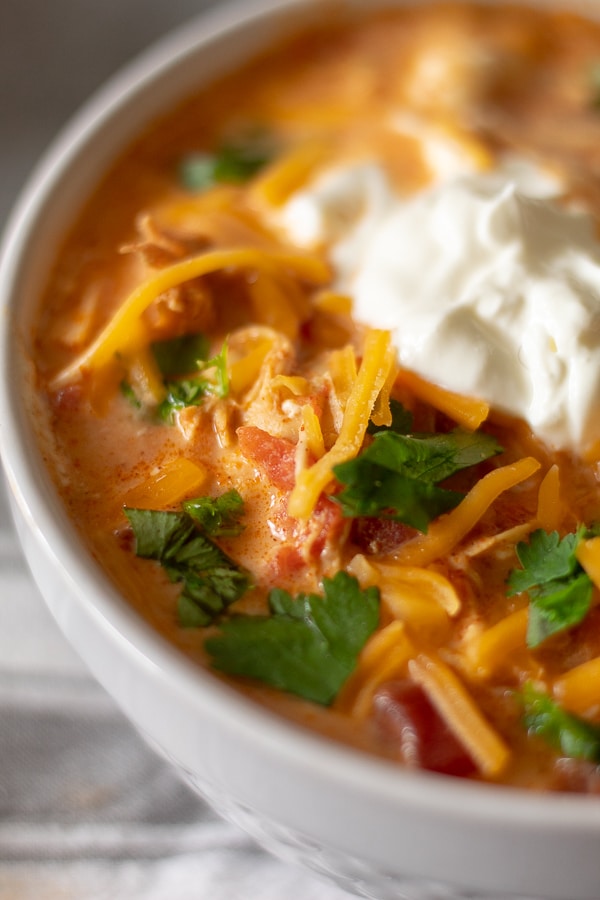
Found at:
(308, 646)
(211, 580)
(235, 162)
(560, 591)
(180, 355)
(397, 476)
(573, 736)
(212, 380)
(130, 395)
(219, 517)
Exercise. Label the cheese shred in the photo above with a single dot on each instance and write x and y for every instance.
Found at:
(378, 359)
(446, 532)
(578, 690)
(172, 482)
(466, 411)
(384, 657)
(460, 712)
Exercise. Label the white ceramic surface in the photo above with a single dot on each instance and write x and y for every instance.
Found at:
(380, 831)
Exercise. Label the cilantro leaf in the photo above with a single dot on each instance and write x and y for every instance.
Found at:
(180, 394)
(308, 646)
(571, 735)
(211, 580)
(560, 592)
(212, 380)
(128, 392)
(374, 490)
(158, 533)
(396, 476)
(545, 557)
(234, 162)
(557, 606)
(431, 458)
(219, 517)
(180, 355)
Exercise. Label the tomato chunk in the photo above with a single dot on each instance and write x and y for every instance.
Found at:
(274, 456)
(68, 399)
(376, 535)
(287, 562)
(405, 717)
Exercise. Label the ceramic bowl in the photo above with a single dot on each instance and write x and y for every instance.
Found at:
(377, 829)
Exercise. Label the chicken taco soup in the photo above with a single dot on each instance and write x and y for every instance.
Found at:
(320, 369)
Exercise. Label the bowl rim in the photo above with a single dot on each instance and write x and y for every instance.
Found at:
(31, 491)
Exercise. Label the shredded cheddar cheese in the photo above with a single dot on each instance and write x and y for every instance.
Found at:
(272, 305)
(446, 532)
(378, 359)
(177, 479)
(588, 556)
(549, 509)
(289, 173)
(459, 710)
(332, 302)
(384, 657)
(244, 372)
(490, 649)
(342, 372)
(311, 428)
(145, 375)
(466, 411)
(426, 581)
(422, 615)
(579, 688)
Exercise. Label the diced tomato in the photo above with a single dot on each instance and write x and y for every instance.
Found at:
(274, 456)
(373, 535)
(405, 717)
(126, 539)
(329, 515)
(287, 562)
(67, 399)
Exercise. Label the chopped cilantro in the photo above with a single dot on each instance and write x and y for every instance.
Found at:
(128, 392)
(212, 380)
(559, 590)
(180, 394)
(180, 355)
(234, 162)
(211, 580)
(197, 171)
(219, 517)
(397, 476)
(308, 646)
(571, 735)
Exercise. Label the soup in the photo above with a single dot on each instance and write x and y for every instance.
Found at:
(320, 365)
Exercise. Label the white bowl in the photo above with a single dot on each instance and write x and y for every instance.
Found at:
(377, 829)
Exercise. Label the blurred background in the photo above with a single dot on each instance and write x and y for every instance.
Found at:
(87, 811)
(53, 54)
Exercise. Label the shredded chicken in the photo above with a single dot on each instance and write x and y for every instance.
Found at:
(187, 308)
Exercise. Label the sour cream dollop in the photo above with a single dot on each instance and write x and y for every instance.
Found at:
(490, 288)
